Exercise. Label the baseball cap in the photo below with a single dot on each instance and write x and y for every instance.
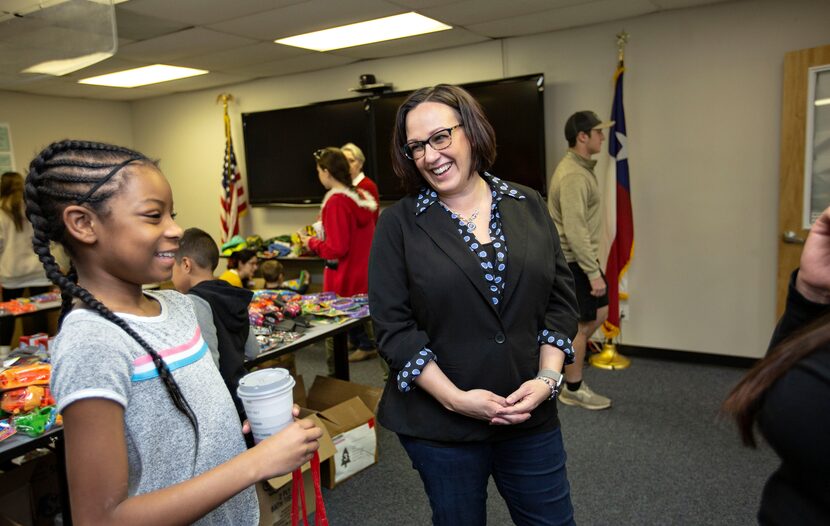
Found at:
(583, 121)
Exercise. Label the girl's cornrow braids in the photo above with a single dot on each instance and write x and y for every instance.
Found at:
(39, 173)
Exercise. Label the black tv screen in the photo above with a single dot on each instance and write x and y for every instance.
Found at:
(279, 143)
(515, 109)
(279, 147)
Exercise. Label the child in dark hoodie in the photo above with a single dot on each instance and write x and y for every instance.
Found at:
(217, 302)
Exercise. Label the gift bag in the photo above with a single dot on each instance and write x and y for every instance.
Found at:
(298, 496)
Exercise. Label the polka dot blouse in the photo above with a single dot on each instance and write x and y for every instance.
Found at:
(493, 260)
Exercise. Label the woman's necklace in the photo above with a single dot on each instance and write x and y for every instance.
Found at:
(468, 222)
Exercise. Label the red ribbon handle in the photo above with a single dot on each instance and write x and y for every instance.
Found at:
(298, 495)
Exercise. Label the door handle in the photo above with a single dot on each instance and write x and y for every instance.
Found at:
(792, 238)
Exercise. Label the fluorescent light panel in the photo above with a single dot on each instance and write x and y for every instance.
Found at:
(131, 78)
(822, 102)
(378, 30)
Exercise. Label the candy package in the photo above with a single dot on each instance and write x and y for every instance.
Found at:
(38, 421)
(25, 399)
(25, 375)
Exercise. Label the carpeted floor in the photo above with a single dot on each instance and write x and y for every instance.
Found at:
(661, 455)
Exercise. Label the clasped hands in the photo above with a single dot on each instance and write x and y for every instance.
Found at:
(498, 410)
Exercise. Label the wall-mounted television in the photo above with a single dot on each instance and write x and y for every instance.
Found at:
(279, 147)
(279, 143)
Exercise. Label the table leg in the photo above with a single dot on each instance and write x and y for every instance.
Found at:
(341, 356)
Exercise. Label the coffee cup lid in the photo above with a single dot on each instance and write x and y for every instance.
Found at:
(265, 382)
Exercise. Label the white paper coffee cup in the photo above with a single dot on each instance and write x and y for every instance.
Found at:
(268, 398)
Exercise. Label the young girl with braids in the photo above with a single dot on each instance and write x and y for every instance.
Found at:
(152, 436)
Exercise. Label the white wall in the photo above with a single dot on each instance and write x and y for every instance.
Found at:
(36, 121)
(703, 99)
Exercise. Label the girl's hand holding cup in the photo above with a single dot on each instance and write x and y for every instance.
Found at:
(283, 443)
(289, 449)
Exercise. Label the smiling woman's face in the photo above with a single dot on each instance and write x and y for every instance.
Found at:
(447, 171)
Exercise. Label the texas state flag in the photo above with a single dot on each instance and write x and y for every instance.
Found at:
(619, 221)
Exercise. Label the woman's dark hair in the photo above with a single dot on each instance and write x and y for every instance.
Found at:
(240, 256)
(333, 160)
(744, 401)
(88, 174)
(479, 132)
(11, 197)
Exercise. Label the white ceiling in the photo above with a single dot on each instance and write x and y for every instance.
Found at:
(233, 39)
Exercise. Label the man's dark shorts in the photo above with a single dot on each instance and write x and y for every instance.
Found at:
(588, 304)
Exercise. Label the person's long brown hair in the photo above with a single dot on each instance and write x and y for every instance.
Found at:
(11, 198)
(744, 402)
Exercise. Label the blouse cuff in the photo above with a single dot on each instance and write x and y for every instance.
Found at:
(558, 340)
(407, 376)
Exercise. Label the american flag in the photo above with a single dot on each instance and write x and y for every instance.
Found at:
(233, 202)
(619, 219)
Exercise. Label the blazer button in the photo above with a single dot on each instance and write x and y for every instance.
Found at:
(500, 338)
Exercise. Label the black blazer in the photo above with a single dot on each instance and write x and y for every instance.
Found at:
(426, 289)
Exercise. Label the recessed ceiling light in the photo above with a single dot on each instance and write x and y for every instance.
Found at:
(378, 30)
(131, 78)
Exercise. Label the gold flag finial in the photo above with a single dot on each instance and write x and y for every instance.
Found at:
(622, 40)
(224, 98)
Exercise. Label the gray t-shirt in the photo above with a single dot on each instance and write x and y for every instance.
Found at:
(93, 358)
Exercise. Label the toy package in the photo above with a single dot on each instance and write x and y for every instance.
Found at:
(24, 375)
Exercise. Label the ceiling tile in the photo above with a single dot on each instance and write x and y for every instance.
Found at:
(679, 4)
(241, 56)
(204, 81)
(187, 43)
(468, 12)
(312, 15)
(308, 62)
(16, 82)
(141, 27)
(416, 44)
(202, 12)
(421, 4)
(564, 17)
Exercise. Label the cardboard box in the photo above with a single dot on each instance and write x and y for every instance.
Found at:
(275, 503)
(275, 494)
(348, 412)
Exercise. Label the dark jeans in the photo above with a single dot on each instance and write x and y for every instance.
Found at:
(529, 473)
(360, 339)
(40, 322)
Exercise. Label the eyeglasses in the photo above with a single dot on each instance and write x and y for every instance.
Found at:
(318, 154)
(439, 140)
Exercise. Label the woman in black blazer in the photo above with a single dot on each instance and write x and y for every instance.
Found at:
(474, 309)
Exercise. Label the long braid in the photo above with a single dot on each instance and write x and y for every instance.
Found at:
(65, 167)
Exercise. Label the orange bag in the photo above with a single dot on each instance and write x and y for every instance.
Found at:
(22, 400)
(25, 375)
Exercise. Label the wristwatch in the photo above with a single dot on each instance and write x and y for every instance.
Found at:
(554, 380)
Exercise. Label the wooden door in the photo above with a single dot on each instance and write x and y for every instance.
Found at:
(793, 142)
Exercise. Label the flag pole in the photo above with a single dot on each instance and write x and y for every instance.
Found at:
(609, 358)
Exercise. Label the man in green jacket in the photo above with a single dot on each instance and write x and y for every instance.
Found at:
(574, 204)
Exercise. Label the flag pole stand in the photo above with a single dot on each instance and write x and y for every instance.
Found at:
(608, 358)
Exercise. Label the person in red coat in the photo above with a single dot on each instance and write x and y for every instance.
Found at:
(359, 180)
(345, 237)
